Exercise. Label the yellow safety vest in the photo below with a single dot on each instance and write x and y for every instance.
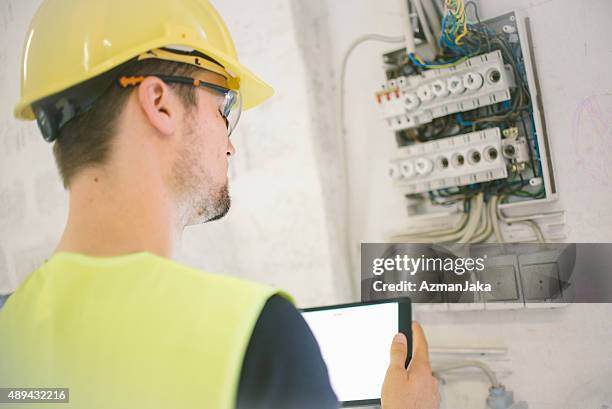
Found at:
(136, 331)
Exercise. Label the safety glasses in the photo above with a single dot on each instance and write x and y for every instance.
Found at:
(230, 109)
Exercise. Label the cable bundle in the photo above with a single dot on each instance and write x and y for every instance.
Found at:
(458, 38)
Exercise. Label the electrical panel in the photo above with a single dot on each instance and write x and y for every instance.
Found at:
(468, 124)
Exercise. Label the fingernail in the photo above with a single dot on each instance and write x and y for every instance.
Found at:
(400, 338)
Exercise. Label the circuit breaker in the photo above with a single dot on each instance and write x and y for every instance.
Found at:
(456, 161)
(407, 102)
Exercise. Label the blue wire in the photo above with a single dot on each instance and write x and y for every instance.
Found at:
(461, 121)
(429, 64)
(446, 40)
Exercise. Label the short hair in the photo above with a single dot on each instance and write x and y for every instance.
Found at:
(86, 139)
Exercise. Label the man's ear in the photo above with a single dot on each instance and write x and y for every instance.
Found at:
(158, 104)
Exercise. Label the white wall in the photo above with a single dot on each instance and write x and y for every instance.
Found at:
(559, 358)
(279, 229)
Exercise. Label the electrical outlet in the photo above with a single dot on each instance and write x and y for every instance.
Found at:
(541, 282)
(408, 102)
(456, 161)
(504, 283)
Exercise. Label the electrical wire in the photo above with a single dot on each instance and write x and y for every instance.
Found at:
(368, 37)
(478, 224)
(425, 24)
(439, 6)
(451, 49)
(480, 25)
(536, 229)
(462, 232)
(421, 63)
(347, 54)
(528, 220)
(486, 231)
(457, 10)
(475, 219)
(457, 227)
(494, 219)
(434, 237)
(406, 21)
(468, 364)
(434, 19)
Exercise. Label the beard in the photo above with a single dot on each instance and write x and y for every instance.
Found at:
(202, 201)
(217, 207)
(201, 197)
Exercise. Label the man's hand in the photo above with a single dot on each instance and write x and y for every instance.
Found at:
(414, 388)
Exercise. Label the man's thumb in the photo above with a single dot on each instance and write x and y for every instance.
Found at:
(399, 350)
(420, 354)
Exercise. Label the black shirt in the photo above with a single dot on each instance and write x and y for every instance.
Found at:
(283, 367)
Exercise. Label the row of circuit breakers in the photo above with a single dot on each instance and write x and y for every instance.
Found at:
(409, 102)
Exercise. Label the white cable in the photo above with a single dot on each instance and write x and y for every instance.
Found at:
(425, 24)
(449, 236)
(514, 219)
(489, 230)
(528, 220)
(534, 227)
(493, 212)
(438, 236)
(434, 20)
(407, 26)
(347, 54)
(475, 211)
(536, 230)
(423, 233)
(483, 221)
(469, 364)
(473, 226)
(471, 223)
(439, 6)
(368, 37)
(488, 225)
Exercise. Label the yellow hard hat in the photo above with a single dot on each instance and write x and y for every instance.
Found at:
(71, 41)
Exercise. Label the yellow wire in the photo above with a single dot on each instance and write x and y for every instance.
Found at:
(457, 9)
(420, 60)
(463, 21)
(463, 34)
(452, 64)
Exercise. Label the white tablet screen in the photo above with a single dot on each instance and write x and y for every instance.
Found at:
(355, 344)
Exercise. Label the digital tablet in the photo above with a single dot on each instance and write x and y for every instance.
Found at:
(355, 340)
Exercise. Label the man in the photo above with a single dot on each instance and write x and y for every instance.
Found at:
(140, 98)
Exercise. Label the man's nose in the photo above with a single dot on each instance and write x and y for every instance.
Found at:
(230, 149)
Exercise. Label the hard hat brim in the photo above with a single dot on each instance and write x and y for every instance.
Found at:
(253, 89)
